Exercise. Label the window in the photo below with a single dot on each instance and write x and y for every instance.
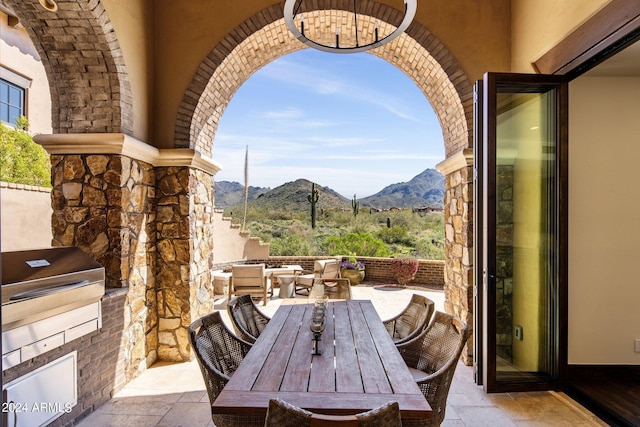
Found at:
(11, 102)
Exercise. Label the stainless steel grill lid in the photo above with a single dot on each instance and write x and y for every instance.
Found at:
(40, 283)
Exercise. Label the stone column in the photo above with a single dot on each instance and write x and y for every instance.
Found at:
(185, 255)
(458, 216)
(124, 202)
(104, 204)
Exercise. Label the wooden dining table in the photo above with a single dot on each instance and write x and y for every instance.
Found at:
(359, 367)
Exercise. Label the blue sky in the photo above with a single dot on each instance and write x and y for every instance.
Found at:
(352, 122)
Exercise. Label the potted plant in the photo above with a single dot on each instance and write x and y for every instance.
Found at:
(404, 269)
(352, 269)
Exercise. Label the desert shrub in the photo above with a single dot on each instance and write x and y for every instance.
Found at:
(289, 245)
(356, 244)
(427, 248)
(396, 235)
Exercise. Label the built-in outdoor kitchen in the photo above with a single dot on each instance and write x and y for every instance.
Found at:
(57, 355)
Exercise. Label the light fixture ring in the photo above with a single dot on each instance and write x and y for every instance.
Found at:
(289, 19)
(49, 5)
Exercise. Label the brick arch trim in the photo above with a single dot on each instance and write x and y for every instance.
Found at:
(264, 37)
(90, 90)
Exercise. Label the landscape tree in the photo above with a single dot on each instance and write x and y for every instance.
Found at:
(22, 161)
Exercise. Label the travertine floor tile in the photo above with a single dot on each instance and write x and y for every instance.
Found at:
(171, 395)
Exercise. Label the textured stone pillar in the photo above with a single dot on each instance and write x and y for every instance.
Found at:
(185, 255)
(104, 204)
(458, 216)
(145, 215)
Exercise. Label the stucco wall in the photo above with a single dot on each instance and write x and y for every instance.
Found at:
(26, 217)
(537, 26)
(133, 22)
(604, 285)
(230, 244)
(18, 55)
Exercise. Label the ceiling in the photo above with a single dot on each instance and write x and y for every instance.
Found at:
(624, 64)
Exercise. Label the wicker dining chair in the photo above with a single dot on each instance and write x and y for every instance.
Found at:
(284, 414)
(322, 269)
(247, 319)
(219, 353)
(412, 320)
(432, 358)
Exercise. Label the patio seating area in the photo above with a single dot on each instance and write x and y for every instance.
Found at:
(175, 395)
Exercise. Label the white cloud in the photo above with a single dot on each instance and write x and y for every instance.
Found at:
(286, 114)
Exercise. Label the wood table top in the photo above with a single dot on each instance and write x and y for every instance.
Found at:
(359, 367)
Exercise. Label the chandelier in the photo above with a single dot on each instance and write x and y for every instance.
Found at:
(342, 31)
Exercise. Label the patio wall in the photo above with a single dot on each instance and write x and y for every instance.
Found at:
(26, 217)
(430, 272)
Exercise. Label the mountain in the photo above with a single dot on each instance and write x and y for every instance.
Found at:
(293, 196)
(228, 193)
(425, 189)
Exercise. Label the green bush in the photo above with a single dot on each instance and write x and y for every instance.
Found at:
(396, 235)
(356, 244)
(289, 245)
(22, 161)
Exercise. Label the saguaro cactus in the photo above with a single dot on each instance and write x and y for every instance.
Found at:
(355, 206)
(313, 199)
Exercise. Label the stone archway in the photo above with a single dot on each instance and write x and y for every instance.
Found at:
(90, 90)
(264, 37)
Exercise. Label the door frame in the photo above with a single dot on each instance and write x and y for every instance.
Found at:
(484, 292)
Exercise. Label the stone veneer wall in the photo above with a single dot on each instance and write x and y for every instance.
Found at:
(458, 216)
(185, 256)
(504, 263)
(105, 204)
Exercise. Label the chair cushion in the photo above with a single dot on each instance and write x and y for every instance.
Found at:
(417, 374)
(305, 280)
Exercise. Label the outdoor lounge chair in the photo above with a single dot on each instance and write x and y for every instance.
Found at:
(283, 414)
(247, 319)
(219, 353)
(249, 279)
(322, 269)
(412, 320)
(432, 358)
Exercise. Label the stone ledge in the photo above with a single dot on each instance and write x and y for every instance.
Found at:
(456, 161)
(125, 145)
(24, 187)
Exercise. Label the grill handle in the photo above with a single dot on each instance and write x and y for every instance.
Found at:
(48, 290)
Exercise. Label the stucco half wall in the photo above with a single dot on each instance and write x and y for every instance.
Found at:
(26, 217)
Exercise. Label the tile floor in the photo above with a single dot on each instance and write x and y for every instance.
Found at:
(171, 395)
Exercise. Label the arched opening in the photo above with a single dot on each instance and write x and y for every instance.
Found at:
(353, 124)
(89, 84)
(264, 37)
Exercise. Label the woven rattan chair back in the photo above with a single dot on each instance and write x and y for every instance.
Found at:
(433, 357)
(219, 353)
(283, 414)
(248, 321)
(412, 320)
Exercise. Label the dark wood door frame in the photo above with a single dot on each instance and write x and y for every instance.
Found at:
(610, 30)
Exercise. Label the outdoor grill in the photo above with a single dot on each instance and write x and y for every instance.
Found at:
(50, 297)
(38, 284)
